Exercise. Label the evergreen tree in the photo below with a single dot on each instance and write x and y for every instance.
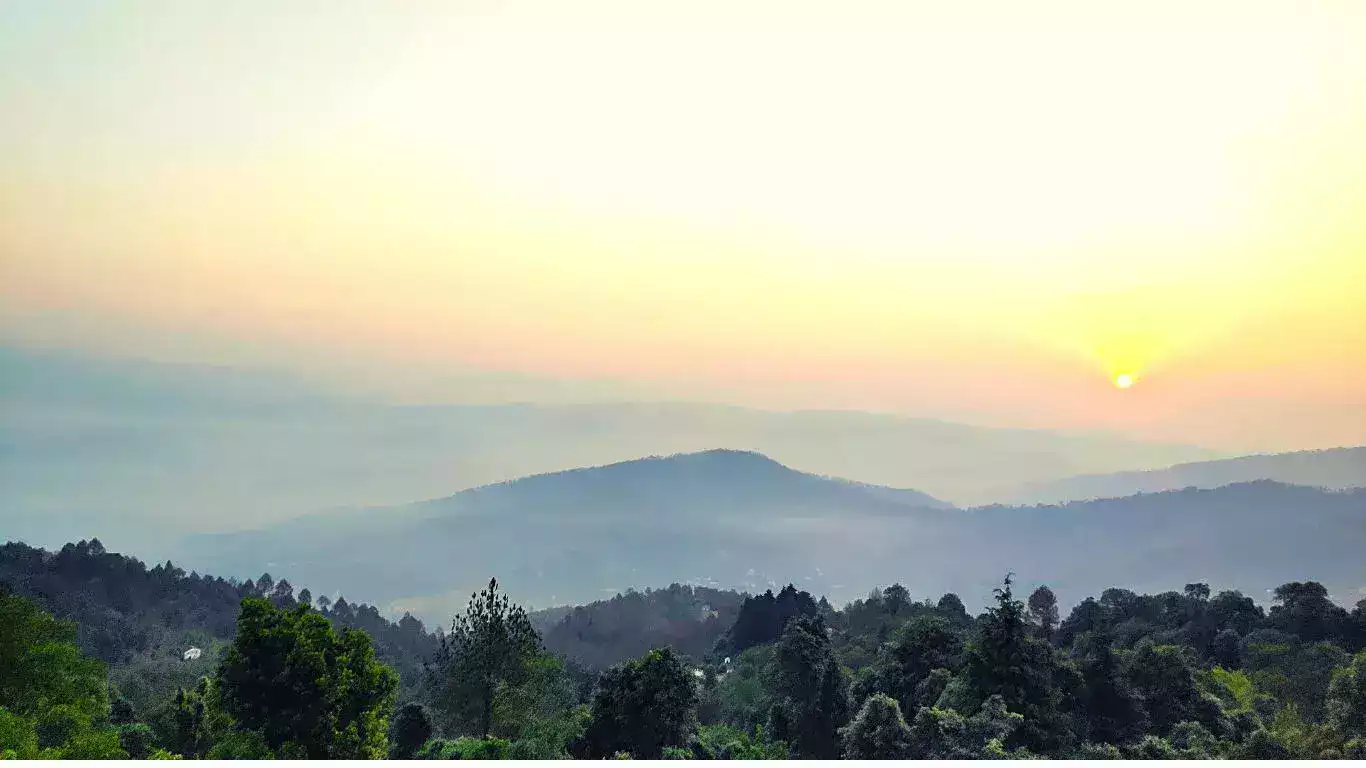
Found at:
(1005, 660)
(490, 645)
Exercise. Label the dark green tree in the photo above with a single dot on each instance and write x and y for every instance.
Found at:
(878, 732)
(409, 731)
(642, 707)
(1109, 707)
(1043, 611)
(812, 688)
(922, 645)
(896, 599)
(307, 690)
(1226, 650)
(1347, 698)
(1163, 676)
(491, 645)
(1005, 659)
(1303, 609)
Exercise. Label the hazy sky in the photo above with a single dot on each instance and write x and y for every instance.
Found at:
(938, 208)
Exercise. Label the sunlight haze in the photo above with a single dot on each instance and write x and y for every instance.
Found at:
(1077, 216)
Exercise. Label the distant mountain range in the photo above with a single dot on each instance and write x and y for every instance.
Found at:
(733, 519)
(1334, 468)
(141, 453)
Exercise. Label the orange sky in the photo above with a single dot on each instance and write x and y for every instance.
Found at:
(973, 210)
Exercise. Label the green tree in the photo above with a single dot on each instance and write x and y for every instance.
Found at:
(1347, 698)
(54, 702)
(721, 741)
(811, 688)
(1109, 706)
(307, 690)
(409, 731)
(641, 707)
(924, 644)
(878, 732)
(1006, 660)
(1163, 676)
(944, 734)
(1043, 610)
(490, 646)
(1303, 609)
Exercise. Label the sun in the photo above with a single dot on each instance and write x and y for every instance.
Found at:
(1124, 381)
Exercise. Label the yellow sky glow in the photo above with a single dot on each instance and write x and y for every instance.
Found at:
(884, 205)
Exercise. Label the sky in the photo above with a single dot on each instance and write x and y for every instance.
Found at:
(976, 210)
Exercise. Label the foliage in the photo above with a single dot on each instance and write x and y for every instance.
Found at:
(491, 645)
(290, 676)
(763, 618)
(944, 734)
(878, 732)
(691, 620)
(1043, 610)
(726, 742)
(466, 748)
(811, 689)
(641, 707)
(1347, 697)
(409, 730)
(1006, 660)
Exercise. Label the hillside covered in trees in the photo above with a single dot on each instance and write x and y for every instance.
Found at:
(740, 520)
(1187, 674)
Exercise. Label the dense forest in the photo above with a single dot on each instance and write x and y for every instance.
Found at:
(95, 665)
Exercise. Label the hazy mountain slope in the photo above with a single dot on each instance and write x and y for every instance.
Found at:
(736, 520)
(1335, 468)
(577, 535)
(140, 453)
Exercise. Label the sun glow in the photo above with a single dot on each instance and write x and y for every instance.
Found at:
(1124, 381)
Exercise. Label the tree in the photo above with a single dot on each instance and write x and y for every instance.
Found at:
(878, 732)
(1236, 611)
(1163, 677)
(1347, 697)
(1043, 610)
(812, 689)
(896, 599)
(642, 707)
(1110, 707)
(1005, 660)
(1197, 592)
(53, 700)
(307, 690)
(1226, 650)
(490, 645)
(409, 731)
(944, 734)
(924, 644)
(1304, 610)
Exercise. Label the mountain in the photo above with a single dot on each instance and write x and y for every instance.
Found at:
(739, 520)
(141, 452)
(1335, 468)
(576, 535)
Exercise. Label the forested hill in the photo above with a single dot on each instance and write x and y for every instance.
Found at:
(688, 619)
(140, 620)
